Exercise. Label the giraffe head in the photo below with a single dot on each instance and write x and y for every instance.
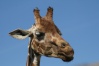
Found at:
(46, 38)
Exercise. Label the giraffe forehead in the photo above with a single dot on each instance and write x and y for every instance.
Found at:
(50, 27)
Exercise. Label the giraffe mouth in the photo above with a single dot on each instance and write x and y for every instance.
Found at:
(65, 57)
(68, 59)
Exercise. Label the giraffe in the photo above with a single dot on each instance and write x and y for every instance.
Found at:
(45, 39)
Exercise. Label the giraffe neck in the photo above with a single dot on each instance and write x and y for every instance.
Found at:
(36, 60)
(33, 58)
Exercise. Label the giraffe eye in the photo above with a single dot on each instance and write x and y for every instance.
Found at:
(40, 35)
(63, 45)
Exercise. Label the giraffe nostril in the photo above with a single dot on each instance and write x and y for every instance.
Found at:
(63, 45)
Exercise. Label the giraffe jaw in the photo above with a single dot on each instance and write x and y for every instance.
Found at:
(66, 58)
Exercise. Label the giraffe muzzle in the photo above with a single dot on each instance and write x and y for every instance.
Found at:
(66, 56)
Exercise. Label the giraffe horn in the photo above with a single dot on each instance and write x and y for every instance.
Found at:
(49, 14)
(37, 15)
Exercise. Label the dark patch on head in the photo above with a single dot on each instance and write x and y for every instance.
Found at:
(35, 44)
(40, 36)
(47, 53)
(53, 43)
(40, 50)
(42, 46)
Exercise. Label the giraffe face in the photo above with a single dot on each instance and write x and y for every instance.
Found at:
(46, 38)
(47, 41)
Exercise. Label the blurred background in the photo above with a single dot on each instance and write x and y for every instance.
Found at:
(78, 21)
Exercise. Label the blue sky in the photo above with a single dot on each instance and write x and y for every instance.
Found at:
(78, 21)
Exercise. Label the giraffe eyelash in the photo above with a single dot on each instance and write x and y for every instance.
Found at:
(40, 35)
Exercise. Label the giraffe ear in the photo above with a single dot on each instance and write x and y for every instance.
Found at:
(20, 34)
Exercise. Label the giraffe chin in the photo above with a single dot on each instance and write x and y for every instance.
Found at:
(68, 59)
